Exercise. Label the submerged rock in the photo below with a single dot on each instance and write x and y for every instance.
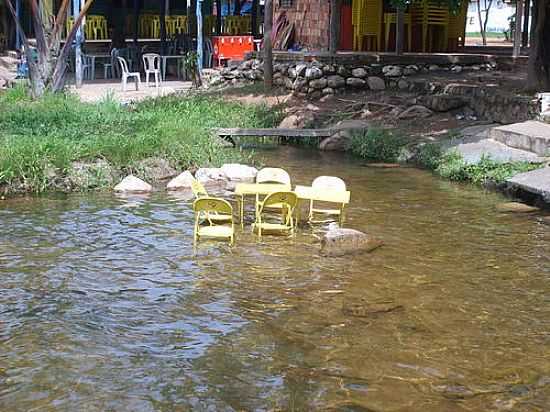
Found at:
(132, 184)
(181, 182)
(515, 207)
(343, 241)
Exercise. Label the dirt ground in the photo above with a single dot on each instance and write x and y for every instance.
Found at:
(381, 107)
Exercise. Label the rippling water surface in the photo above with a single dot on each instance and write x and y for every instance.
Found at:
(105, 306)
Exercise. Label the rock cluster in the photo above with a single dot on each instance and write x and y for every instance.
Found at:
(316, 79)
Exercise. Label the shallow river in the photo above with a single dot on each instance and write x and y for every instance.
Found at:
(104, 306)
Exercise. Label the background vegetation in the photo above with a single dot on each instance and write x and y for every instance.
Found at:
(42, 138)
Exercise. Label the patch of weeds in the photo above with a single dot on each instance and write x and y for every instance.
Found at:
(429, 155)
(377, 145)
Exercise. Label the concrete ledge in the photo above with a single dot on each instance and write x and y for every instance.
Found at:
(531, 135)
(535, 181)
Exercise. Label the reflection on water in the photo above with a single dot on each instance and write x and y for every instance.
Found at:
(103, 305)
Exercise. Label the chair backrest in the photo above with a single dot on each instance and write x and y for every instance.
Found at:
(329, 183)
(212, 205)
(123, 65)
(198, 189)
(273, 175)
(288, 199)
(151, 61)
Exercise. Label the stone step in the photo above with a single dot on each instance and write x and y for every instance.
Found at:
(535, 181)
(8, 63)
(531, 135)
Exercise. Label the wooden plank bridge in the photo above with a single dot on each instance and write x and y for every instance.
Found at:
(229, 133)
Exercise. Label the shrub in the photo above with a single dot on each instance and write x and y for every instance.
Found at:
(429, 155)
(377, 145)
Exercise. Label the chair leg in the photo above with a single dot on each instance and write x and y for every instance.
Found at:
(147, 78)
(124, 80)
(138, 81)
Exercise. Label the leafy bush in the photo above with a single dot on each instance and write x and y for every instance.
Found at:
(40, 139)
(377, 145)
(429, 155)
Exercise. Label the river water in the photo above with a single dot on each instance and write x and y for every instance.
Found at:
(104, 305)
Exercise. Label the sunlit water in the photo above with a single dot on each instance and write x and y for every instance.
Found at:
(105, 306)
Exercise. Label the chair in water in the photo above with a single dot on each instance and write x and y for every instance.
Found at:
(287, 202)
(272, 175)
(329, 186)
(200, 192)
(205, 209)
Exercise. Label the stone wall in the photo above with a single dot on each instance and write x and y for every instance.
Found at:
(310, 18)
(316, 79)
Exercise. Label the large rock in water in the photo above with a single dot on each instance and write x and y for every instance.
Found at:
(240, 173)
(515, 207)
(343, 241)
(340, 140)
(132, 184)
(181, 182)
(211, 176)
(156, 168)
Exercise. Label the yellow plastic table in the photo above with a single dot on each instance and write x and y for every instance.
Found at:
(341, 198)
(256, 189)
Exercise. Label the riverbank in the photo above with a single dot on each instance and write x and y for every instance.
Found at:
(59, 143)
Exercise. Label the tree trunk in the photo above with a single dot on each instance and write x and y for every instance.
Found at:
(538, 71)
(335, 8)
(268, 51)
(399, 30)
(480, 18)
(517, 33)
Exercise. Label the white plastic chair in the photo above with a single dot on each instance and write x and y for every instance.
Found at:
(126, 74)
(87, 68)
(109, 68)
(151, 65)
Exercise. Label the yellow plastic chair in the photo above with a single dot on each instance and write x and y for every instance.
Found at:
(431, 15)
(457, 28)
(207, 207)
(327, 185)
(200, 193)
(287, 202)
(272, 175)
(367, 24)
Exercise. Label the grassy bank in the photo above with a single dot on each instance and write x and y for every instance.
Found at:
(40, 141)
(379, 145)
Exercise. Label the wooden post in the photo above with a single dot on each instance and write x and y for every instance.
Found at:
(78, 46)
(399, 30)
(254, 18)
(268, 46)
(199, 36)
(136, 23)
(163, 27)
(237, 10)
(517, 32)
(526, 14)
(335, 8)
(18, 39)
(218, 17)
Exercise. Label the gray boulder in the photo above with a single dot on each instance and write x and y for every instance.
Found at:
(443, 102)
(132, 184)
(314, 73)
(155, 168)
(355, 82)
(343, 241)
(359, 72)
(392, 71)
(181, 182)
(336, 81)
(211, 177)
(376, 83)
(239, 173)
(318, 83)
(415, 112)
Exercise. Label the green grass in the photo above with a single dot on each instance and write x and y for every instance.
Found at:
(489, 34)
(47, 135)
(452, 166)
(377, 145)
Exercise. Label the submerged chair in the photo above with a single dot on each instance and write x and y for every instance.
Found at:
(328, 185)
(151, 65)
(200, 193)
(272, 175)
(287, 202)
(207, 227)
(126, 74)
